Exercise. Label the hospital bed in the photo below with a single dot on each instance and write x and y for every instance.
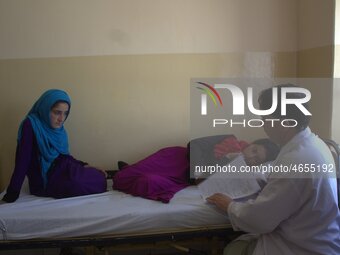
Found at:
(114, 218)
(108, 219)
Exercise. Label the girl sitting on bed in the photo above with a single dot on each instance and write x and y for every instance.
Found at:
(162, 174)
(43, 154)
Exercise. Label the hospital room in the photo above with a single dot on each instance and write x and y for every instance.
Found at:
(120, 120)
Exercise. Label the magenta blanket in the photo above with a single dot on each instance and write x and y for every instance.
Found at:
(157, 177)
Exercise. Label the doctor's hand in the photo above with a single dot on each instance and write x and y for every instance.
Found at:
(221, 201)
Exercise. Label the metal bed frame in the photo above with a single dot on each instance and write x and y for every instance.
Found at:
(214, 235)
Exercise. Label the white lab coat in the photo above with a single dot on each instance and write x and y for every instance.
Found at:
(294, 216)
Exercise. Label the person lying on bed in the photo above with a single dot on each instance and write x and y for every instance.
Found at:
(43, 154)
(256, 153)
(162, 174)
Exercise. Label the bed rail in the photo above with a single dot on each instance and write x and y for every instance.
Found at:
(112, 240)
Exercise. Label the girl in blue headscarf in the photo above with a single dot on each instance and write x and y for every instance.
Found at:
(43, 154)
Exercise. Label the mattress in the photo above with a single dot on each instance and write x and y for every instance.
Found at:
(112, 212)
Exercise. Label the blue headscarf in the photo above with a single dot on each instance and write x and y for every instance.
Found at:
(51, 141)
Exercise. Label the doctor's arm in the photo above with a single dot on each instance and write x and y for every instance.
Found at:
(279, 199)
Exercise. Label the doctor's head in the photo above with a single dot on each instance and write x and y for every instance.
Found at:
(295, 119)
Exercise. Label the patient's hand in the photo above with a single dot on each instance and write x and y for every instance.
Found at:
(220, 200)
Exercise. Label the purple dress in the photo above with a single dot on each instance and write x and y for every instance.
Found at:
(67, 176)
(157, 177)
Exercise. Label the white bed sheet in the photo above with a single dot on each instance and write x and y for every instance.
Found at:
(110, 212)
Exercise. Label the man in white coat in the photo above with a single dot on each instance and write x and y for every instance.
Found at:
(296, 213)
